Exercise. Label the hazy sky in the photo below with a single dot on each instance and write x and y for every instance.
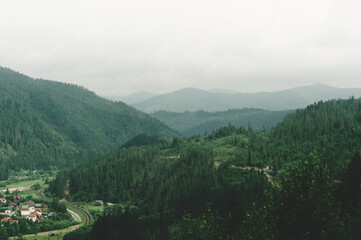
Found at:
(120, 47)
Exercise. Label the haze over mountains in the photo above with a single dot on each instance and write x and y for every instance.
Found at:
(133, 98)
(200, 122)
(192, 99)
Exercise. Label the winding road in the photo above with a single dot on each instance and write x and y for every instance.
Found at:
(75, 215)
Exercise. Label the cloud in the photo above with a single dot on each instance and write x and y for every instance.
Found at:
(119, 47)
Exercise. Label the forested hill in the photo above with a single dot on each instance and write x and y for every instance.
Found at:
(45, 123)
(306, 157)
(192, 123)
(331, 128)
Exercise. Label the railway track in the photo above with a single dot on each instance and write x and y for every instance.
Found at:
(86, 215)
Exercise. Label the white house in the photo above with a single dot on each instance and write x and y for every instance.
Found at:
(24, 212)
(32, 216)
(9, 212)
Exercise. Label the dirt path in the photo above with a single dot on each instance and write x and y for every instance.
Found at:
(267, 171)
(64, 230)
(20, 189)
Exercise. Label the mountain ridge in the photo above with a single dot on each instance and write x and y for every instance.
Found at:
(193, 99)
(46, 123)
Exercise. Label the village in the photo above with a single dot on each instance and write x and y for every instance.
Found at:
(14, 208)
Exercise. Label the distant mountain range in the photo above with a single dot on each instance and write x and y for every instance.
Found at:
(45, 123)
(133, 98)
(193, 99)
(192, 123)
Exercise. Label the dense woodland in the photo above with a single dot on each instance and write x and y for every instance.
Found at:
(176, 191)
(47, 124)
(298, 180)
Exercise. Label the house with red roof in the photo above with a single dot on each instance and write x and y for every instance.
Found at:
(24, 212)
(32, 216)
(4, 219)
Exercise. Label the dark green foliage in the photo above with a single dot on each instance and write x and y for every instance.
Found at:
(349, 193)
(162, 188)
(142, 173)
(57, 206)
(143, 140)
(207, 226)
(36, 186)
(304, 206)
(57, 186)
(332, 128)
(125, 224)
(114, 177)
(351, 184)
(45, 123)
(192, 123)
(82, 233)
(171, 193)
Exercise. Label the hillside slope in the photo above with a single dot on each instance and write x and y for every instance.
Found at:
(192, 123)
(305, 157)
(331, 130)
(45, 123)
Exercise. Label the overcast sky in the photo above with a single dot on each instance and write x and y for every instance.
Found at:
(121, 47)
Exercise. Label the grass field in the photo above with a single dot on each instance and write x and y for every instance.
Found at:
(57, 236)
(91, 207)
(23, 184)
(52, 235)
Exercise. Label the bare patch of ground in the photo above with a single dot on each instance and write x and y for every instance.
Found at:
(19, 189)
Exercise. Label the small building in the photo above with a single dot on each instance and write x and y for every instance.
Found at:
(3, 200)
(14, 221)
(4, 219)
(26, 207)
(30, 204)
(37, 209)
(24, 212)
(99, 203)
(17, 198)
(32, 216)
(9, 212)
(38, 205)
(38, 216)
(12, 204)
